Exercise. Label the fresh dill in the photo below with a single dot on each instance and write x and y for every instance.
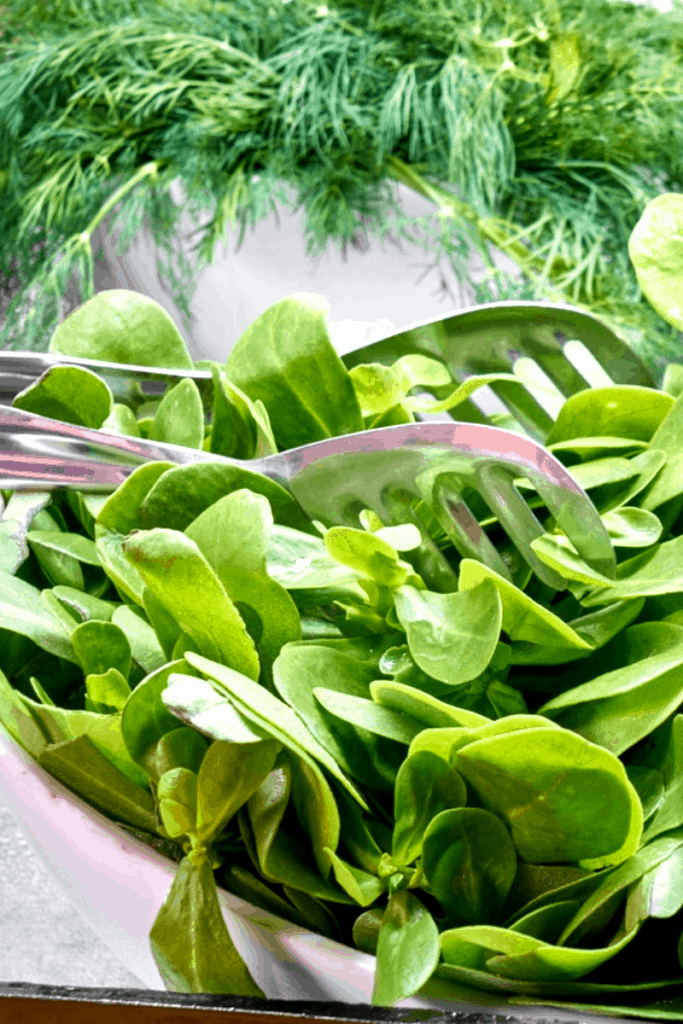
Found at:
(541, 127)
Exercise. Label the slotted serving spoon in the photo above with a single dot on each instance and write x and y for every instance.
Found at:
(333, 480)
(547, 344)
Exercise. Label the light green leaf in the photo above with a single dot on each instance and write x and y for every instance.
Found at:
(122, 326)
(422, 707)
(452, 637)
(407, 949)
(563, 798)
(22, 611)
(184, 492)
(229, 775)
(523, 618)
(426, 785)
(621, 707)
(179, 418)
(179, 576)
(286, 359)
(626, 410)
(656, 251)
(233, 535)
(469, 863)
(144, 645)
(189, 938)
(68, 393)
(86, 771)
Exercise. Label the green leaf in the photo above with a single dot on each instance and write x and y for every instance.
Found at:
(669, 814)
(364, 888)
(621, 707)
(86, 771)
(428, 710)
(357, 750)
(523, 957)
(426, 785)
(276, 853)
(184, 492)
(523, 618)
(367, 554)
(17, 719)
(632, 527)
(300, 562)
(624, 411)
(190, 942)
(123, 574)
(644, 860)
(121, 511)
(68, 393)
(73, 544)
(286, 359)
(230, 774)
(122, 326)
(658, 570)
(263, 709)
(121, 420)
(84, 606)
(233, 535)
(407, 949)
(16, 520)
(469, 863)
(656, 253)
(144, 646)
(377, 388)
(240, 428)
(146, 719)
(107, 690)
(452, 637)
(668, 484)
(563, 798)
(104, 730)
(23, 611)
(179, 418)
(179, 576)
(658, 893)
(177, 798)
(100, 646)
(367, 715)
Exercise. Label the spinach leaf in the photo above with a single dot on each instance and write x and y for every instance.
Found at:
(470, 863)
(655, 251)
(407, 949)
(286, 360)
(178, 575)
(233, 535)
(179, 418)
(122, 326)
(84, 769)
(621, 707)
(426, 785)
(23, 612)
(192, 946)
(68, 393)
(563, 798)
(184, 492)
(624, 411)
(452, 637)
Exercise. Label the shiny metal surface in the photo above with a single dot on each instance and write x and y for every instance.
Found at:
(334, 479)
(490, 338)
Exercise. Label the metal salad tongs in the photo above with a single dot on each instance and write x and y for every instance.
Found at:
(384, 469)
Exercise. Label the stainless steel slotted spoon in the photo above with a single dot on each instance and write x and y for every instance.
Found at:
(333, 480)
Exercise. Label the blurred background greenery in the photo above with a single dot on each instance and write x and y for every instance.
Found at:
(538, 127)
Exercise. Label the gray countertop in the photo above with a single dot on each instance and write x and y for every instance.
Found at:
(43, 938)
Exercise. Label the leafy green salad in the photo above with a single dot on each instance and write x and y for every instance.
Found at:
(481, 782)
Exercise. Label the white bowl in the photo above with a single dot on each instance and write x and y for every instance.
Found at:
(118, 885)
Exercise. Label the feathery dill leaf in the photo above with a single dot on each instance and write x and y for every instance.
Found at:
(540, 126)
